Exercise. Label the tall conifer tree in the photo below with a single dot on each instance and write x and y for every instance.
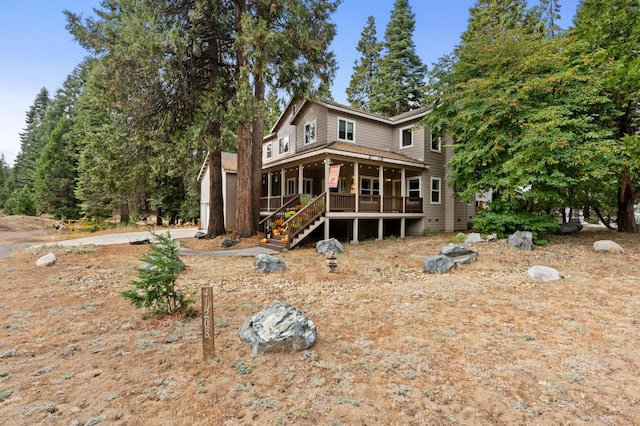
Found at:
(360, 88)
(400, 82)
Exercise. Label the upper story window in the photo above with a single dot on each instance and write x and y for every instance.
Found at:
(268, 150)
(310, 132)
(283, 144)
(406, 137)
(436, 189)
(436, 143)
(346, 130)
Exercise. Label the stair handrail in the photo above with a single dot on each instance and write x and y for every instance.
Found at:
(304, 217)
(279, 213)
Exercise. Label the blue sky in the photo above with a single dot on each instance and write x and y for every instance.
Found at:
(37, 51)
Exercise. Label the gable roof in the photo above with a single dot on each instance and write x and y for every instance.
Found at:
(229, 164)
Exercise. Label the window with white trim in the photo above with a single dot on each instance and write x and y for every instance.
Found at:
(436, 143)
(406, 137)
(283, 144)
(268, 150)
(292, 188)
(414, 187)
(369, 186)
(436, 189)
(307, 186)
(310, 132)
(346, 130)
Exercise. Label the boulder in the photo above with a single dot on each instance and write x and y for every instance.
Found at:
(439, 264)
(544, 273)
(266, 263)
(139, 241)
(608, 246)
(47, 260)
(492, 238)
(569, 228)
(331, 244)
(459, 254)
(474, 237)
(522, 240)
(229, 243)
(278, 328)
(200, 235)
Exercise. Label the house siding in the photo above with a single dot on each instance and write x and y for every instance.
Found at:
(230, 198)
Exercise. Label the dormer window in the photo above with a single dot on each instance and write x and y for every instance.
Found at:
(346, 130)
(310, 132)
(436, 143)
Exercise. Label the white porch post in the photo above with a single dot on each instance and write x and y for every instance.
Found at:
(283, 185)
(356, 174)
(327, 206)
(326, 228)
(403, 189)
(403, 226)
(381, 180)
(269, 191)
(300, 178)
(355, 230)
(381, 229)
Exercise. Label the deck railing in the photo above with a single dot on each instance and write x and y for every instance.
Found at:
(279, 213)
(343, 202)
(304, 217)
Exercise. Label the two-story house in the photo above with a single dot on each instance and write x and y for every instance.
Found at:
(368, 175)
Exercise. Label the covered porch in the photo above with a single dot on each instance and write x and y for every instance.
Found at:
(365, 192)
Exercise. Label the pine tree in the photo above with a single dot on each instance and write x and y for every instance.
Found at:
(400, 82)
(360, 88)
(551, 16)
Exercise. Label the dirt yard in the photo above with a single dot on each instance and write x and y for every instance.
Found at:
(484, 345)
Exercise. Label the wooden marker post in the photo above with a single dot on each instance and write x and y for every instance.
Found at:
(207, 323)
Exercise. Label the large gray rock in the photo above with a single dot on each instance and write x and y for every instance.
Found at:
(47, 260)
(459, 254)
(439, 264)
(521, 240)
(266, 263)
(474, 237)
(492, 238)
(544, 273)
(278, 328)
(569, 228)
(608, 246)
(324, 246)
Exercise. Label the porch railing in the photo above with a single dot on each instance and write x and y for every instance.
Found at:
(368, 203)
(413, 205)
(275, 202)
(279, 213)
(340, 202)
(304, 217)
(343, 202)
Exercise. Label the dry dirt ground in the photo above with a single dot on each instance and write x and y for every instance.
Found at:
(484, 345)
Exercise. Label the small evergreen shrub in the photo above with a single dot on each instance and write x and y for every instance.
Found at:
(156, 289)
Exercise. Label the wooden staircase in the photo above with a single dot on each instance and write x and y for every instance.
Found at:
(298, 226)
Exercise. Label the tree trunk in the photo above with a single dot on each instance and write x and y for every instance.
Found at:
(124, 213)
(244, 217)
(626, 219)
(256, 150)
(159, 217)
(215, 225)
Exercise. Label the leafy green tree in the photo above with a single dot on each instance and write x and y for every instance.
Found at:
(272, 110)
(551, 16)
(614, 28)
(5, 180)
(399, 84)
(528, 117)
(360, 88)
(492, 18)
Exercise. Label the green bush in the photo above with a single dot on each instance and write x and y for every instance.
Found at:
(506, 221)
(156, 289)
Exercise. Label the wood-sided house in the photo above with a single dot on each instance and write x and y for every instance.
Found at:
(229, 190)
(367, 176)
